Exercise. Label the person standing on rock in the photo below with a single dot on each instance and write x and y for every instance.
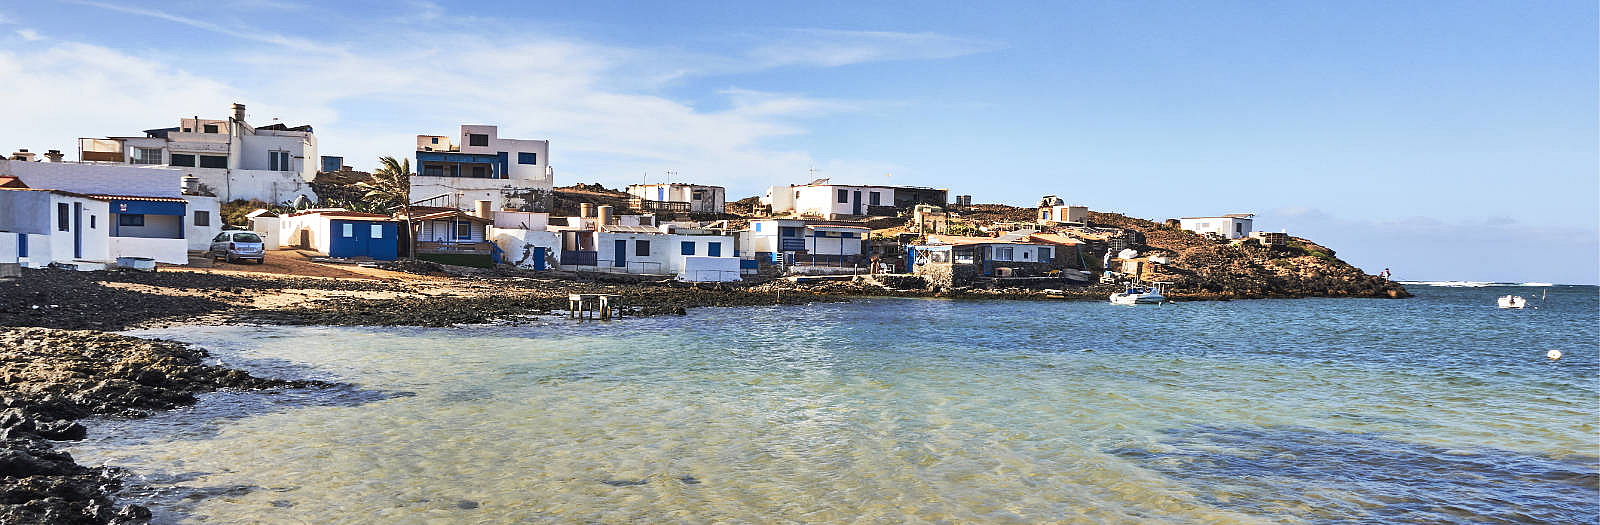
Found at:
(1385, 275)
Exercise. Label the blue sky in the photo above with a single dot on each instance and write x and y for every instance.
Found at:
(1452, 140)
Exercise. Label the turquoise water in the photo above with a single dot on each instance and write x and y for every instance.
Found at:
(1437, 409)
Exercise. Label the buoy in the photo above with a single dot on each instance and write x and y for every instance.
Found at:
(1553, 355)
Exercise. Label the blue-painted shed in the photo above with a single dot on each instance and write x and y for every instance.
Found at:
(353, 237)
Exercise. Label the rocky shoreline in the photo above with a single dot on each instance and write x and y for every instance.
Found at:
(50, 378)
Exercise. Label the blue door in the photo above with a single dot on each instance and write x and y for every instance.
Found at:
(661, 194)
(621, 258)
(538, 258)
(855, 207)
(77, 230)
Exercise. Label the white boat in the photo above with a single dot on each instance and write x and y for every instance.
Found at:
(1512, 301)
(1139, 295)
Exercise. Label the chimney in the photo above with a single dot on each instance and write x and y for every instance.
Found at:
(482, 209)
(605, 215)
(22, 154)
(585, 209)
(54, 155)
(238, 112)
(191, 185)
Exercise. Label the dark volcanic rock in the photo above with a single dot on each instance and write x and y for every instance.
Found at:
(49, 377)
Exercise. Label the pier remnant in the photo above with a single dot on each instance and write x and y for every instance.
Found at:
(594, 305)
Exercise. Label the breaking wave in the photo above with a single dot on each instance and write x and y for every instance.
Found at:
(1470, 284)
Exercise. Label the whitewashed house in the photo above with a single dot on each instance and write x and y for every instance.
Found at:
(1052, 210)
(671, 196)
(831, 201)
(509, 173)
(799, 242)
(89, 215)
(1230, 226)
(632, 244)
(232, 159)
(337, 233)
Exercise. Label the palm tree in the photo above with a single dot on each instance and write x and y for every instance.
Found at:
(391, 183)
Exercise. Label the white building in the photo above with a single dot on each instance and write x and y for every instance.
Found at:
(1053, 210)
(232, 159)
(88, 215)
(333, 232)
(509, 173)
(705, 199)
(1230, 226)
(797, 242)
(831, 201)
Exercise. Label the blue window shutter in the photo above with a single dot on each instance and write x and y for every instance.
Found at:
(758, 226)
(714, 249)
(527, 158)
(688, 247)
(22, 245)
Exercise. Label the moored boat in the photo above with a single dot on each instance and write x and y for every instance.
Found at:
(1512, 301)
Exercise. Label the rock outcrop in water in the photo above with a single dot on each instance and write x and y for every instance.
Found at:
(50, 377)
(1201, 268)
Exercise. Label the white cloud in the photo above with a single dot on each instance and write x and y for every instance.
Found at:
(369, 94)
(29, 35)
(832, 48)
(269, 38)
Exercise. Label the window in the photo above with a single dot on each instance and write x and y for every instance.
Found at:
(788, 231)
(202, 218)
(698, 195)
(63, 214)
(246, 237)
(463, 230)
(210, 128)
(213, 161)
(278, 161)
(477, 139)
(527, 158)
(130, 219)
(480, 172)
(1002, 253)
(146, 155)
(91, 222)
(435, 140)
(182, 159)
(844, 196)
(1044, 254)
(797, 195)
(1238, 227)
(714, 249)
(758, 226)
(22, 245)
(221, 237)
(641, 248)
(687, 248)
(349, 230)
(1024, 255)
(377, 231)
(874, 198)
(433, 170)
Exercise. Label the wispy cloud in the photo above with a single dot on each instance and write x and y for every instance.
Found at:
(268, 38)
(29, 35)
(833, 48)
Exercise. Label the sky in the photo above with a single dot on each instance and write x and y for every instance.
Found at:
(1444, 141)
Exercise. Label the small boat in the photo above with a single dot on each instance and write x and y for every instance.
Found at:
(1512, 301)
(1139, 295)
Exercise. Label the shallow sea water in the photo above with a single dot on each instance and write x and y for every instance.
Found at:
(1437, 409)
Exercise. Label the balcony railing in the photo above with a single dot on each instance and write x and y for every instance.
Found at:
(641, 204)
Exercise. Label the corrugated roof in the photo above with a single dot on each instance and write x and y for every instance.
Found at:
(618, 228)
(1227, 216)
(454, 215)
(105, 197)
